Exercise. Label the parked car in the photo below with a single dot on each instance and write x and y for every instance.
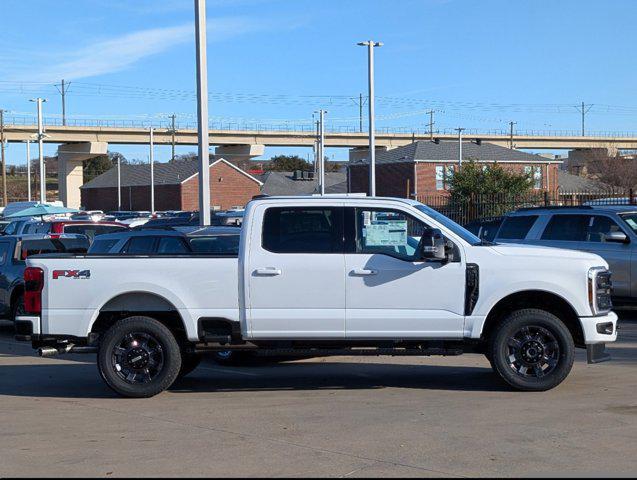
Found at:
(486, 228)
(182, 220)
(606, 230)
(316, 276)
(88, 228)
(181, 240)
(120, 215)
(14, 250)
(16, 227)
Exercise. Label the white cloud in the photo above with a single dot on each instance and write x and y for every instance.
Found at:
(117, 54)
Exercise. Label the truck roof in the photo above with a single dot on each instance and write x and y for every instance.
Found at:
(339, 196)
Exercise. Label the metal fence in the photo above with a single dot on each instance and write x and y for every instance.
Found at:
(479, 207)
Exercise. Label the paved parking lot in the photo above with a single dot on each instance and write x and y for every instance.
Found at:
(344, 416)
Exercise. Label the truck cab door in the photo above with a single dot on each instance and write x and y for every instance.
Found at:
(391, 292)
(295, 273)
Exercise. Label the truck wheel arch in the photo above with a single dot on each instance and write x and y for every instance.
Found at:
(540, 299)
(139, 303)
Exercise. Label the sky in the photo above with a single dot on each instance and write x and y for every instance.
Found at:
(478, 63)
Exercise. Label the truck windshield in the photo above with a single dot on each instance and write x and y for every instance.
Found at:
(462, 232)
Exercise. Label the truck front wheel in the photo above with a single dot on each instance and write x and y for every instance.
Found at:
(139, 357)
(532, 350)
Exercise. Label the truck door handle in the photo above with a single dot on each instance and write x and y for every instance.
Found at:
(363, 272)
(268, 272)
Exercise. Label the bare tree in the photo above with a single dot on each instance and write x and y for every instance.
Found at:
(614, 170)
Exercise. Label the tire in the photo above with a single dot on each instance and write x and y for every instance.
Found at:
(17, 308)
(189, 362)
(232, 358)
(532, 350)
(138, 357)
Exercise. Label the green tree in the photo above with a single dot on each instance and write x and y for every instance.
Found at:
(482, 190)
(287, 163)
(94, 167)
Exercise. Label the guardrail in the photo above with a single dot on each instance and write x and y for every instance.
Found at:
(19, 120)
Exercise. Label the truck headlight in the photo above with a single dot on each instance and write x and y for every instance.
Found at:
(599, 290)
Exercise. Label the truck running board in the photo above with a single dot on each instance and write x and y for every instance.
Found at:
(324, 352)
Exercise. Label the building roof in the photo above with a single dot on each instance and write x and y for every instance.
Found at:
(569, 183)
(284, 184)
(447, 151)
(138, 175)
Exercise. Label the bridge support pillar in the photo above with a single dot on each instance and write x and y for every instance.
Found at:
(71, 157)
(237, 153)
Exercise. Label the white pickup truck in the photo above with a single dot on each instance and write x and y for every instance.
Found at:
(318, 276)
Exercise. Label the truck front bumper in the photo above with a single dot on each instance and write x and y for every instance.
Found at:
(598, 331)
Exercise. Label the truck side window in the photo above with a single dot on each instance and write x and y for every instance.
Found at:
(571, 228)
(303, 230)
(388, 232)
(516, 228)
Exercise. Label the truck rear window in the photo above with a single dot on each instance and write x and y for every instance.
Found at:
(516, 228)
(54, 245)
(91, 231)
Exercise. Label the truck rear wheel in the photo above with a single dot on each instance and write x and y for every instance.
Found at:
(139, 357)
(532, 350)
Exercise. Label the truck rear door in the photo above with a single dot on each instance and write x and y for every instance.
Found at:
(295, 273)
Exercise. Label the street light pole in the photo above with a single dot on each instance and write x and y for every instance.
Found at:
(202, 113)
(372, 140)
(119, 183)
(459, 130)
(40, 136)
(28, 142)
(152, 171)
(4, 165)
(321, 151)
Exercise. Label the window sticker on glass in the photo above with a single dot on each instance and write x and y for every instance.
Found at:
(386, 233)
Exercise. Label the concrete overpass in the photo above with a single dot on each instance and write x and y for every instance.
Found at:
(81, 142)
(306, 138)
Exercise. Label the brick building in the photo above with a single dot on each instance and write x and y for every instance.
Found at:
(176, 187)
(424, 168)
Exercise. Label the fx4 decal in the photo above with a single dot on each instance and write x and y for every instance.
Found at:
(82, 274)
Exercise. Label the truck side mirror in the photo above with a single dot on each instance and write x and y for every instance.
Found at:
(617, 237)
(432, 246)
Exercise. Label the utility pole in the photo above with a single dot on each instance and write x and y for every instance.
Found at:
(202, 113)
(28, 142)
(63, 88)
(511, 134)
(40, 136)
(321, 151)
(173, 132)
(360, 103)
(152, 171)
(460, 130)
(584, 109)
(431, 124)
(5, 198)
(370, 44)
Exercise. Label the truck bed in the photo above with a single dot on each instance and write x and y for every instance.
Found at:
(79, 287)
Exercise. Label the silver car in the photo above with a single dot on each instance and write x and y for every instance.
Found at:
(607, 230)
